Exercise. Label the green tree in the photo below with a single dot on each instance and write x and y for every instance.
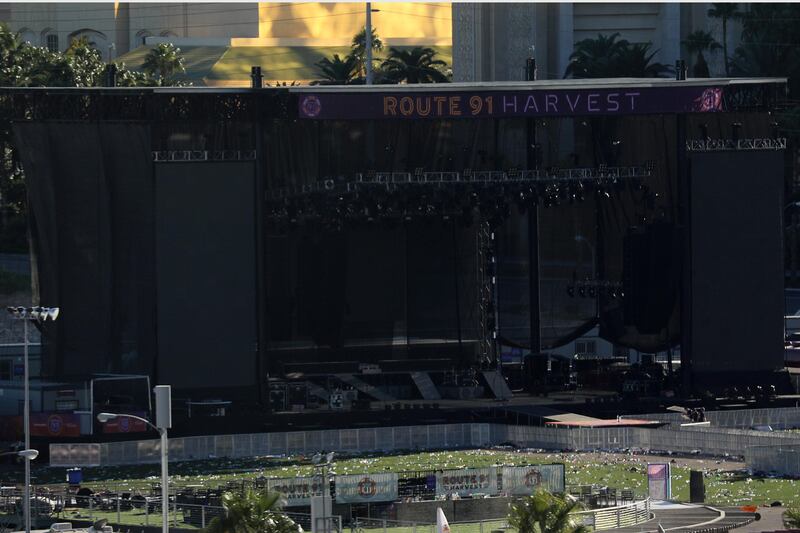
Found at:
(542, 512)
(337, 71)
(418, 65)
(700, 41)
(252, 512)
(791, 518)
(725, 12)
(596, 58)
(163, 61)
(610, 57)
(359, 49)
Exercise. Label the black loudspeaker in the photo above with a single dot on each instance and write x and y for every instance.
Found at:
(697, 487)
(651, 276)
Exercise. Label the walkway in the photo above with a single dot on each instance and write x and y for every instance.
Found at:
(694, 518)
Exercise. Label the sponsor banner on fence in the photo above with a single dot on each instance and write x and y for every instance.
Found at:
(55, 425)
(658, 481)
(523, 480)
(296, 490)
(366, 488)
(467, 481)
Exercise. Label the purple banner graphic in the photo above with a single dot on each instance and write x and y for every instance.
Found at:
(504, 104)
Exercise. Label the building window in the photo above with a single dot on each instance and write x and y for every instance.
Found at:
(52, 42)
(585, 348)
(5, 370)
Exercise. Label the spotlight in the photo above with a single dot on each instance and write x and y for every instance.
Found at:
(581, 290)
(571, 291)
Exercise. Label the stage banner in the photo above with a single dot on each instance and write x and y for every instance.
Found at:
(467, 481)
(126, 424)
(297, 491)
(55, 425)
(362, 488)
(502, 104)
(524, 480)
(659, 484)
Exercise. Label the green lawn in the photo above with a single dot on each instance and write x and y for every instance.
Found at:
(723, 486)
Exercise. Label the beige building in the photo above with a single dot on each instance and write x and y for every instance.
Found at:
(482, 41)
(221, 41)
(491, 41)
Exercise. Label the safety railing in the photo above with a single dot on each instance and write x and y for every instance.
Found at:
(614, 517)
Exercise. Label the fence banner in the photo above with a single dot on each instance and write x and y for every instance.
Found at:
(523, 480)
(467, 481)
(659, 485)
(297, 491)
(366, 488)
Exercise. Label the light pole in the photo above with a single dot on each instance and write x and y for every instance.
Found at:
(368, 42)
(163, 422)
(26, 314)
(324, 462)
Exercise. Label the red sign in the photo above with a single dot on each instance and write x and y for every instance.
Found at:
(55, 425)
(125, 424)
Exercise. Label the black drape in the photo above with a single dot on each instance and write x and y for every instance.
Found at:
(91, 217)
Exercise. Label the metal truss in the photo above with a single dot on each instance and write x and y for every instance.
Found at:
(719, 145)
(392, 181)
(165, 156)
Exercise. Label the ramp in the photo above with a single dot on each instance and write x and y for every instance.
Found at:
(319, 392)
(425, 385)
(498, 384)
(364, 387)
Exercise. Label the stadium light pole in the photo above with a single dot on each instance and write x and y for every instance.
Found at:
(26, 314)
(163, 422)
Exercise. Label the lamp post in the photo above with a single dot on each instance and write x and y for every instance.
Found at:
(26, 314)
(323, 462)
(368, 42)
(163, 422)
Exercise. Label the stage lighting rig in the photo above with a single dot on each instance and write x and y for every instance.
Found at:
(443, 194)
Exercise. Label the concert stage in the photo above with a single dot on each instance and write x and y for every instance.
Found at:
(391, 243)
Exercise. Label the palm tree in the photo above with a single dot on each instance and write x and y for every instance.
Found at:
(163, 61)
(791, 518)
(252, 512)
(594, 58)
(417, 65)
(543, 512)
(337, 71)
(700, 41)
(635, 61)
(607, 57)
(359, 48)
(726, 12)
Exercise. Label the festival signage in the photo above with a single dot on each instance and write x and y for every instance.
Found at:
(297, 491)
(55, 425)
(517, 103)
(524, 480)
(659, 485)
(467, 481)
(362, 488)
(126, 424)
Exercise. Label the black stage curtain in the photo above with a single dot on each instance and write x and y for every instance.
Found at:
(90, 193)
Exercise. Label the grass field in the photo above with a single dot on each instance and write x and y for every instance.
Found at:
(726, 483)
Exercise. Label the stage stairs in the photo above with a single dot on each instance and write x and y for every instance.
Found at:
(425, 385)
(319, 392)
(366, 388)
(497, 384)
